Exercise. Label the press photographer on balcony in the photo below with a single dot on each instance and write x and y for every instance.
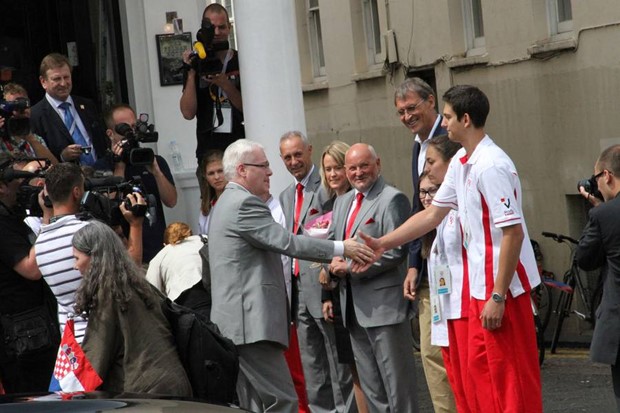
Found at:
(212, 88)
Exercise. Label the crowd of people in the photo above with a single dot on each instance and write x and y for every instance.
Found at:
(315, 287)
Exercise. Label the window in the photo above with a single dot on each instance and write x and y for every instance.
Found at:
(474, 26)
(560, 16)
(316, 39)
(373, 32)
(231, 16)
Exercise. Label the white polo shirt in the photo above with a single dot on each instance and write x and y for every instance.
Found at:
(485, 189)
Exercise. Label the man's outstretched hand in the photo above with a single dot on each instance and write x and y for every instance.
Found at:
(377, 249)
(357, 251)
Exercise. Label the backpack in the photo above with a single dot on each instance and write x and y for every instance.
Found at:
(210, 360)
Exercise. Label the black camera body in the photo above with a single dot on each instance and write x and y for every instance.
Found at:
(206, 62)
(15, 125)
(590, 187)
(133, 154)
(103, 197)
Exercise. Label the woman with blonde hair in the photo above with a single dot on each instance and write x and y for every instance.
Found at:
(178, 266)
(212, 185)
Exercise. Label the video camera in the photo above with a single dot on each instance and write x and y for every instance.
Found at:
(15, 125)
(133, 154)
(207, 62)
(590, 187)
(103, 197)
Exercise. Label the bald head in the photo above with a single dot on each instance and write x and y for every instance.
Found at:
(363, 166)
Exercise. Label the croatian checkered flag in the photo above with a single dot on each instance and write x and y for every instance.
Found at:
(73, 371)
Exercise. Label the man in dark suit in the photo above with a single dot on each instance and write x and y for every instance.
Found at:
(374, 309)
(415, 104)
(328, 383)
(70, 125)
(248, 290)
(600, 244)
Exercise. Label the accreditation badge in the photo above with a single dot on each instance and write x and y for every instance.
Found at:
(443, 279)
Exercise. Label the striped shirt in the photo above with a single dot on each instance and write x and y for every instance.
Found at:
(486, 190)
(54, 254)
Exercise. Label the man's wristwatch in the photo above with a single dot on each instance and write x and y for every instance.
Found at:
(498, 298)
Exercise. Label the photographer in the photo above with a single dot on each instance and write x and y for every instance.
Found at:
(24, 298)
(599, 245)
(212, 89)
(16, 135)
(156, 177)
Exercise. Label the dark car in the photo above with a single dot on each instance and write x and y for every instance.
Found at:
(107, 402)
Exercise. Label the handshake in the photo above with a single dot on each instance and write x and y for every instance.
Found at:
(362, 255)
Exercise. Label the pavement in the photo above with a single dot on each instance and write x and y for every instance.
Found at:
(570, 383)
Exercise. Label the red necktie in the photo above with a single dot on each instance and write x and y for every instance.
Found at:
(298, 204)
(358, 205)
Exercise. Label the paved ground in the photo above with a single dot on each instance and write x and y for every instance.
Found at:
(571, 383)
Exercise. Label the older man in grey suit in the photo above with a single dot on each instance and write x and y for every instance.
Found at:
(374, 309)
(328, 383)
(248, 292)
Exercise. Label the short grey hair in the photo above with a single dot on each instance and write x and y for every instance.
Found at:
(236, 154)
(413, 85)
(295, 134)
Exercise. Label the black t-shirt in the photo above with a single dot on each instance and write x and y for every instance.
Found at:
(206, 96)
(152, 235)
(17, 294)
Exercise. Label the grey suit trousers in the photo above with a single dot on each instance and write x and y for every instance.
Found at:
(264, 383)
(385, 365)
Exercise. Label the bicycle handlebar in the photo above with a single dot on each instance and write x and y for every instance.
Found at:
(559, 238)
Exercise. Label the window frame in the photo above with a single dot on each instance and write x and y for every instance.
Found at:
(315, 39)
(474, 45)
(371, 16)
(555, 25)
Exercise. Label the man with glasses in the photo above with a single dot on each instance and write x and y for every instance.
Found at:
(482, 183)
(600, 245)
(415, 105)
(250, 305)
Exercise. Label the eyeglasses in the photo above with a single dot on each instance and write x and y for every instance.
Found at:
(430, 192)
(258, 165)
(598, 175)
(410, 109)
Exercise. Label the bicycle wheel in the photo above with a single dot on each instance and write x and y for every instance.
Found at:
(544, 302)
(562, 310)
(540, 339)
(415, 332)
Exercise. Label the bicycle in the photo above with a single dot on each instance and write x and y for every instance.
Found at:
(573, 280)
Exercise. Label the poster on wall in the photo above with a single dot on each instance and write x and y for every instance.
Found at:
(170, 48)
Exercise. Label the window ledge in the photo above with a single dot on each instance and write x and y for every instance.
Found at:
(553, 44)
(310, 87)
(371, 74)
(482, 59)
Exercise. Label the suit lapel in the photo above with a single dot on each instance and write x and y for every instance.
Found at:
(368, 204)
(58, 122)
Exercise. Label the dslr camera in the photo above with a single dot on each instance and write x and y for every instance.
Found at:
(133, 154)
(590, 186)
(15, 125)
(204, 61)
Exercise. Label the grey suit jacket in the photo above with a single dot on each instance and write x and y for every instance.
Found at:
(315, 198)
(600, 245)
(248, 291)
(378, 292)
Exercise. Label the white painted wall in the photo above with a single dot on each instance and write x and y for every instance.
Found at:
(141, 21)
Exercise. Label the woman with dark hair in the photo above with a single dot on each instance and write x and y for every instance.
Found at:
(128, 339)
(212, 185)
